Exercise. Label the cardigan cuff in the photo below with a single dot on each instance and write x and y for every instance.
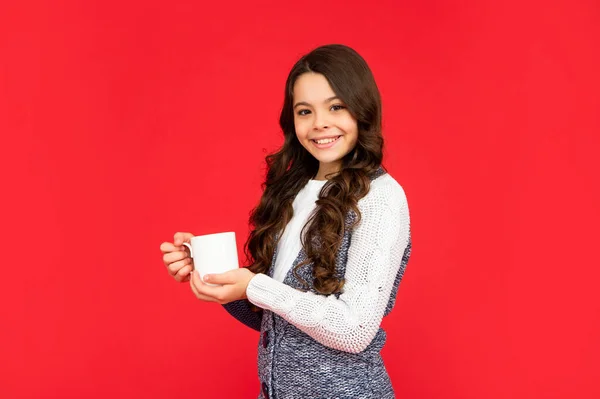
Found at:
(267, 293)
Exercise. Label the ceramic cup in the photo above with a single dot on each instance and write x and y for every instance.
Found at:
(213, 253)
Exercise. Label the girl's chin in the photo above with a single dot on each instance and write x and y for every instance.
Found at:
(328, 160)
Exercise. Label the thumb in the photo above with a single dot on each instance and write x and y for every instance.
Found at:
(221, 278)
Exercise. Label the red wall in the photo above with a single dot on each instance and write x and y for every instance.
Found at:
(124, 121)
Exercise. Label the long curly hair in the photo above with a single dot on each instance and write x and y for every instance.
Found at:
(292, 166)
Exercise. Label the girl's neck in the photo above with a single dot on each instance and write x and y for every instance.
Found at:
(326, 171)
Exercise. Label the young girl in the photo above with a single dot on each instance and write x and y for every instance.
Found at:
(329, 243)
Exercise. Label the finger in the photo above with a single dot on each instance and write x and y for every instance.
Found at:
(183, 273)
(175, 267)
(229, 277)
(179, 238)
(197, 292)
(216, 292)
(167, 247)
(175, 256)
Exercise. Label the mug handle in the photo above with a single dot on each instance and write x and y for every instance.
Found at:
(190, 248)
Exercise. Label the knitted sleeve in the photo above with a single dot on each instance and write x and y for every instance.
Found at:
(241, 311)
(349, 323)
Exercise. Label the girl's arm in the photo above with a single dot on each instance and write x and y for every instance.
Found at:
(241, 310)
(349, 323)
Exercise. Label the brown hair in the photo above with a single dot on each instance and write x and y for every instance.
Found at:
(290, 168)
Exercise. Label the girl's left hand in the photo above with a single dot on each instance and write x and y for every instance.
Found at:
(234, 284)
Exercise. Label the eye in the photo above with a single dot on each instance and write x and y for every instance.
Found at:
(303, 112)
(337, 107)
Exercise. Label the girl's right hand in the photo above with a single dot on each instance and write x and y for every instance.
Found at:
(176, 257)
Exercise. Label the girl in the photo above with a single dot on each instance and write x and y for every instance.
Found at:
(329, 243)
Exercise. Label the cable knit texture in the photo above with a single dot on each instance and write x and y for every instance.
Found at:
(328, 346)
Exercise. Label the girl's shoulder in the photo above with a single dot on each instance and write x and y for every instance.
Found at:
(384, 205)
(385, 188)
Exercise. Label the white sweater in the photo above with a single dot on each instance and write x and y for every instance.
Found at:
(350, 322)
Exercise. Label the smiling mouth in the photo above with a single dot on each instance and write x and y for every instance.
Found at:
(326, 141)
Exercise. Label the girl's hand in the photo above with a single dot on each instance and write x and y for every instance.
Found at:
(234, 284)
(177, 258)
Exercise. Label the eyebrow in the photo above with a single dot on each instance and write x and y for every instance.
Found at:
(308, 105)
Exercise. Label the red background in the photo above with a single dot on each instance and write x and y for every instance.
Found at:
(125, 121)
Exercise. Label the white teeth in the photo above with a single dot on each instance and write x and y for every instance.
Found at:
(326, 141)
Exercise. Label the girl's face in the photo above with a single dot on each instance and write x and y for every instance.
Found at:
(324, 126)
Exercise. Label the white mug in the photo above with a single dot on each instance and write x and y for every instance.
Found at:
(213, 253)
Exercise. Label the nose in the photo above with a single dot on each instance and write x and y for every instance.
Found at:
(321, 122)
